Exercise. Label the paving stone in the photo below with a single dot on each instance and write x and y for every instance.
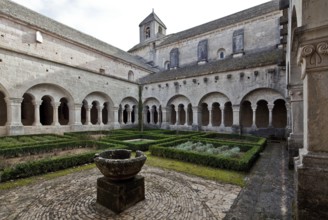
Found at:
(169, 195)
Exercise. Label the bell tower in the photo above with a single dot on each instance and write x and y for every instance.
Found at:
(151, 28)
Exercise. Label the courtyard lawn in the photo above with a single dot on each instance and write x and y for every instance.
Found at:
(25, 156)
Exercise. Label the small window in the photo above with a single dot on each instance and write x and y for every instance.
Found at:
(221, 54)
(160, 30)
(167, 65)
(131, 75)
(174, 58)
(147, 32)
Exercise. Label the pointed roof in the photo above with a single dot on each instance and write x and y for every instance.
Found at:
(150, 18)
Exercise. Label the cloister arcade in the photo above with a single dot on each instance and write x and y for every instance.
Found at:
(51, 105)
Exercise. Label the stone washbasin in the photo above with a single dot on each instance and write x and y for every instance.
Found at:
(118, 165)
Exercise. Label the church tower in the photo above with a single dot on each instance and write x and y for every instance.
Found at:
(151, 28)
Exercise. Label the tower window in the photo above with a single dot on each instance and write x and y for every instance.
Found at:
(160, 30)
(221, 54)
(147, 32)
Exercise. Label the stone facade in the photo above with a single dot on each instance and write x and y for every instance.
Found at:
(260, 71)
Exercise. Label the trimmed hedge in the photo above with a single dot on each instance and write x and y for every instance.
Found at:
(218, 161)
(234, 138)
(44, 148)
(49, 165)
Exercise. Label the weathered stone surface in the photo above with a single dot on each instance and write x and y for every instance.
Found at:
(120, 195)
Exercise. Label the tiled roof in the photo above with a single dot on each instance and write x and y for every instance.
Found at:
(150, 18)
(250, 60)
(16, 11)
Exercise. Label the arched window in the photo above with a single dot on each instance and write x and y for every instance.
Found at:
(167, 65)
(174, 58)
(221, 54)
(131, 75)
(147, 32)
(160, 30)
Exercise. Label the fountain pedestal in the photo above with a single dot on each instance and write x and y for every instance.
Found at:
(121, 187)
(118, 196)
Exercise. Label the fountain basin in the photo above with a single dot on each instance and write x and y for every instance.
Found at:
(118, 165)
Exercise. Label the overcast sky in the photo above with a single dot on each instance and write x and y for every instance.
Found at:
(117, 22)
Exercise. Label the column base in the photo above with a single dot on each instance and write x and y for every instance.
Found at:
(116, 125)
(311, 181)
(118, 196)
(235, 129)
(15, 129)
(295, 142)
(195, 127)
(165, 125)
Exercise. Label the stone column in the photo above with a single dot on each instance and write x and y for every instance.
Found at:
(196, 111)
(152, 112)
(121, 118)
(76, 115)
(235, 125)
(55, 106)
(116, 123)
(87, 114)
(128, 111)
(36, 105)
(222, 116)
(145, 112)
(210, 117)
(254, 116)
(165, 123)
(99, 108)
(270, 107)
(177, 116)
(187, 117)
(14, 123)
(312, 165)
(136, 121)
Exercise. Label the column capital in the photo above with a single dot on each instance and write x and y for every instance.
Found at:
(314, 55)
(13, 101)
(270, 106)
(55, 104)
(37, 102)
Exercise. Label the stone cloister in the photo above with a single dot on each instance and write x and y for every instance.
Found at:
(56, 107)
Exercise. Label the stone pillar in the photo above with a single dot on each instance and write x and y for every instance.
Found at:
(116, 123)
(121, 118)
(210, 117)
(196, 111)
(270, 107)
(99, 108)
(136, 121)
(129, 111)
(187, 117)
(312, 165)
(75, 116)
(235, 125)
(14, 123)
(222, 116)
(145, 112)
(254, 116)
(55, 106)
(36, 105)
(87, 114)
(177, 116)
(152, 112)
(165, 122)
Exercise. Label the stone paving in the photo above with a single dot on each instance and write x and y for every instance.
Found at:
(169, 195)
(269, 190)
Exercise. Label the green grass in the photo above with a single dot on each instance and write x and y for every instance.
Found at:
(225, 176)
(48, 176)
